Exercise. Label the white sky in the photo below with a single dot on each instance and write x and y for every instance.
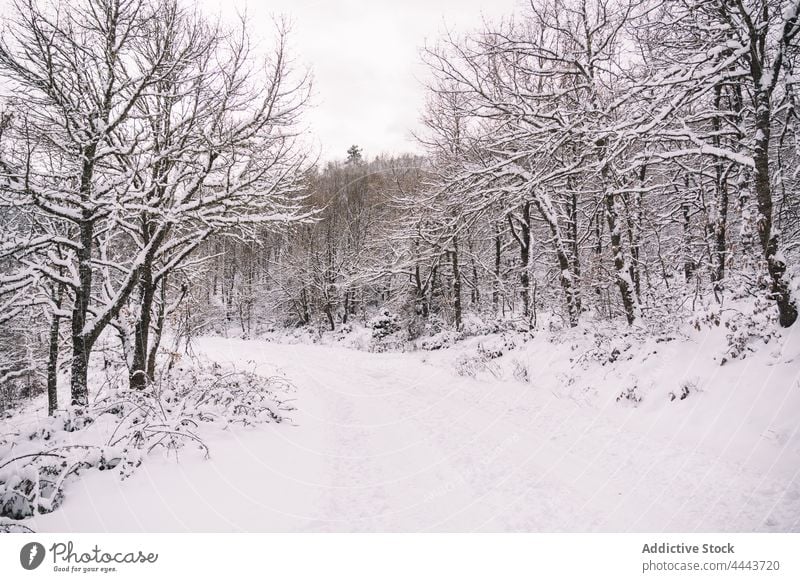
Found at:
(364, 56)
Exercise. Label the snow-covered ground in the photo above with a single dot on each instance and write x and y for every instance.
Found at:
(402, 442)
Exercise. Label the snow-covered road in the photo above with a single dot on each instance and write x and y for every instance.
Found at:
(396, 442)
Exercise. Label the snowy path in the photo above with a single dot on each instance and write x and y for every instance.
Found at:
(388, 442)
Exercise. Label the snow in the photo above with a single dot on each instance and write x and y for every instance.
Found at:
(790, 11)
(767, 80)
(401, 442)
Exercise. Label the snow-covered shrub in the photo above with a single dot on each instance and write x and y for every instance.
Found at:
(33, 483)
(343, 331)
(386, 332)
(196, 393)
(434, 324)
(441, 340)
(475, 324)
(12, 527)
(749, 316)
(710, 317)
(519, 370)
(687, 387)
(474, 364)
(303, 334)
(496, 347)
(391, 343)
(490, 350)
(466, 365)
(745, 329)
(631, 394)
(122, 426)
(384, 324)
(608, 345)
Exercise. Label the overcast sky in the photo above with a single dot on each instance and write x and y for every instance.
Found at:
(364, 55)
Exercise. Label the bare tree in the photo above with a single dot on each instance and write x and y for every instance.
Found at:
(141, 145)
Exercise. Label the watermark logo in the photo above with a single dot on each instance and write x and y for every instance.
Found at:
(31, 555)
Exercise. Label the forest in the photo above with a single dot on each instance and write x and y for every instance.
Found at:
(625, 165)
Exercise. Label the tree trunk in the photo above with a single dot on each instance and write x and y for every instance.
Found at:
(79, 381)
(158, 329)
(719, 234)
(346, 311)
(141, 335)
(719, 219)
(432, 288)
(81, 343)
(634, 219)
(305, 316)
(456, 283)
(475, 295)
(498, 248)
(573, 242)
(568, 283)
(613, 217)
(152, 351)
(624, 282)
(421, 302)
(524, 276)
(523, 238)
(52, 359)
(688, 261)
(329, 314)
(787, 308)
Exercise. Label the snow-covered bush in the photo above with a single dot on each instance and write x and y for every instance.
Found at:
(475, 364)
(443, 339)
(709, 317)
(748, 324)
(384, 324)
(434, 324)
(607, 346)
(687, 387)
(496, 347)
(750, 327)
(490, 350)
(386, 329)
(475, 324)
(343, 331)
(519, 370)
(34, 483)
(12, 527)
(631, 394)
(123, 425)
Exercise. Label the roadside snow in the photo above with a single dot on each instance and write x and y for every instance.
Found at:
(400, 442)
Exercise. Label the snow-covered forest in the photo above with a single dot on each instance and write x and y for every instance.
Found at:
(574, 303)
